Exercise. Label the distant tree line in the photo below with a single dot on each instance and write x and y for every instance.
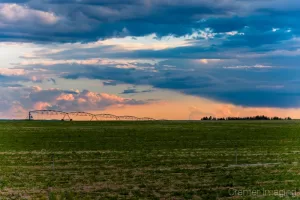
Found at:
(258, 117)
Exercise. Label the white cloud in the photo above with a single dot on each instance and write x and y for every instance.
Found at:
(14, 13)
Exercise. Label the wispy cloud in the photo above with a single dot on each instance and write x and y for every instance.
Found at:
(249, 67)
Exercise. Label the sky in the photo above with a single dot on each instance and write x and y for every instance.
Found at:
(165, 59)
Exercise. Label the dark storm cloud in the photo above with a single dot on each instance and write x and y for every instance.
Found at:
(83, 21)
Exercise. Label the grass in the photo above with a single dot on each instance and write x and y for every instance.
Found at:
(148, 160)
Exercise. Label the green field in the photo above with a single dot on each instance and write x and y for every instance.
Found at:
(149, 160)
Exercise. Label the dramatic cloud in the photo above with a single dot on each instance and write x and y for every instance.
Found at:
(237, 52)
(72, 20)
(36, 98)
(255, 85)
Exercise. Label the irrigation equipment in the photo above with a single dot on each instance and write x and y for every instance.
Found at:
(80, 116)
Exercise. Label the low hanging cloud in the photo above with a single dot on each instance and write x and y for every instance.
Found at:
(36, 98)
(212, 80)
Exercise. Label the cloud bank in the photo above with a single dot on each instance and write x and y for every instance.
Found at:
(17, 101)
(237, 52)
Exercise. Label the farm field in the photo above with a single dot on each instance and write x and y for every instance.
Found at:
(149, 160)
